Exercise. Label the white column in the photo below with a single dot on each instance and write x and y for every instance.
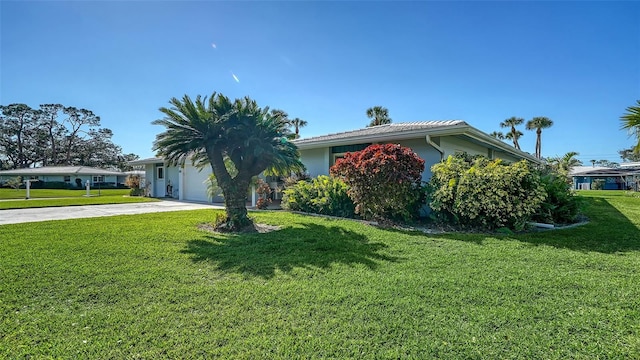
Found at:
(253, 195)
(181, 182)
(28, 186)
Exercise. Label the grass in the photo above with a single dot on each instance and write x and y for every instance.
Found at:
(7, 193)
(154, 286)
(15, 199)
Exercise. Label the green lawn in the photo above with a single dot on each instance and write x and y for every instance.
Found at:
(58, 193)
(154, 286)
(15, 199)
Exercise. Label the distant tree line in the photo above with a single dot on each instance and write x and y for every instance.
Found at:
(54, 135)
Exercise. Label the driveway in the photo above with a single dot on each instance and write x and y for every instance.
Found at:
(16, 216)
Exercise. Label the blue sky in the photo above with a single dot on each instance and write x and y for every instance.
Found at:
(577, 63)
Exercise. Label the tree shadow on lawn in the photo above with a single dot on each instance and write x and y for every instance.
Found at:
(309, 246)
(608, 231)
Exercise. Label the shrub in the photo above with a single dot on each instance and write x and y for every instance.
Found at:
(322, 195)
(598, 184)
(15, 182)
(55, 185)
(561, 205)
(477, 192)
(264, 194)
(384, 181)
(133, 181)
(136, 192)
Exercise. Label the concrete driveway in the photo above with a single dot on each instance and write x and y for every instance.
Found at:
(15, 216)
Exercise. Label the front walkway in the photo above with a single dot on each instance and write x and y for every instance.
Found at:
(15, 216)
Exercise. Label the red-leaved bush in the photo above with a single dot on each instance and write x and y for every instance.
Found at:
(384, 181)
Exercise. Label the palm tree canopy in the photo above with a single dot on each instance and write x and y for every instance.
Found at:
(513, 133)
(497, 134)
(510, 135)
(253, 138)
(212, 130)
(631, 122)
(512, 122)
(538, 123)
(379, 116)
(297, 123)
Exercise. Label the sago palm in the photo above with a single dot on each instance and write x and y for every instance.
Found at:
(212, 129)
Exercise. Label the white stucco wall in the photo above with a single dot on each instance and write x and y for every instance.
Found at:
(316, 161)
(426, 152)
(451, 145)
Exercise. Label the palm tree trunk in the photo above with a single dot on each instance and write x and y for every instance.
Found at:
(235, 198)
(539, 143)
(234, 191)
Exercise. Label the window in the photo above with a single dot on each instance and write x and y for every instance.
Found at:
(348, 148)
(33, 177)
(160, 173)
(99, 178)
(67, 179)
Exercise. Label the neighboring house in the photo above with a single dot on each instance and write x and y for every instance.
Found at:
(625, 177)
(184, 182)
(433, 141)
(68, 174)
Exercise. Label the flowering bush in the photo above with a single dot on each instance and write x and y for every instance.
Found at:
(384, 181)
(478, 192)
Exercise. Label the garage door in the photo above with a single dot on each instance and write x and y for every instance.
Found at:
(195, 188)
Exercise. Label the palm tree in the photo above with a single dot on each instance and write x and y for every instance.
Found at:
(593, 162)
(379, 116)
(497, 135)
(210, 130)
(297, 123)
(538, 123)
(564, 164)
(513, 134)
(631, 123)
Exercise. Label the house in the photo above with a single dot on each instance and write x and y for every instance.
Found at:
(433, 141)
(184, 182)
(75, 176)
(625, 177)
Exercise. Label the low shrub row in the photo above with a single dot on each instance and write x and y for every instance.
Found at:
(323, 195)
(382, 183)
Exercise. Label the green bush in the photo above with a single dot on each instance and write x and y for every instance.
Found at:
(136, 192)
(477, 192)
(561, 206)
(322, 195)
(48, 185)
(597, 184)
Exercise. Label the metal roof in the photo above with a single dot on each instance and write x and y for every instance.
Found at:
(411, 130)
(381, 131)
(151, 160)
(61, 170)
(607, 172)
